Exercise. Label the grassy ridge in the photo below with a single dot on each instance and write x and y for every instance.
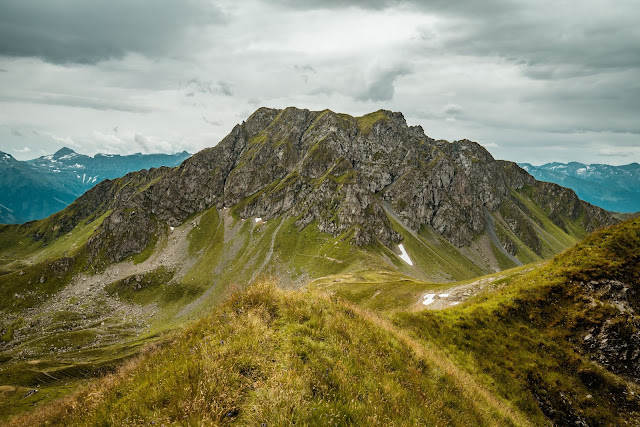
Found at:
(524, 339)
(278, 358)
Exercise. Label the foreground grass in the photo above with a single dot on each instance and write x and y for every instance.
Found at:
(278, 358)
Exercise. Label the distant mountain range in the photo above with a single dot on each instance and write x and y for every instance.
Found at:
(615, 188)
(35, 189)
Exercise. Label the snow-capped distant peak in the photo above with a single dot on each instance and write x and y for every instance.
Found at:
(64, 153)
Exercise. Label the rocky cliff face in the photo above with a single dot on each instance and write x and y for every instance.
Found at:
(342, 173)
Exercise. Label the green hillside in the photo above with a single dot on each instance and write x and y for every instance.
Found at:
(517, 354)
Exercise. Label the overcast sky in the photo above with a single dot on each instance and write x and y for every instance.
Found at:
(535, 81)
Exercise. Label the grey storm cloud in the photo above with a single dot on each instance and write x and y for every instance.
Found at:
(382, 87)
(471, 7)
(143, 143)
(89, 31)
(220, 87)
(587, 37)
(99, 104)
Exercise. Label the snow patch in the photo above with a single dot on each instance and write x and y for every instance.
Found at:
(428, 299)
(404, 255)
(455, 303)
(84, 175)
(258, 219)
(444, 295)
(171, 228)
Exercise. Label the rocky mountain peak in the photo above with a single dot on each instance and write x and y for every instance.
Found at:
(350, 176)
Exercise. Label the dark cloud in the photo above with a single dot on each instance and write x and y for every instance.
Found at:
(452, 110)
(220, 87)
(225, 88)
(305, 68)
(212, 122)
(89, 31)
(470, 7)
(550, 40)
(615, 153)
(100, 104)
(305, 71)
(587, 38)
(382, 87)
(142, 142)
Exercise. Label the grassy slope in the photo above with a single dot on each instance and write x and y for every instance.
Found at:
(522, 339)
(18, 248)
(278, 358)
(376, 290)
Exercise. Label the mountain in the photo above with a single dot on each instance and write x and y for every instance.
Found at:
(26, 193)
(615, 188)
(37, 188)
(365, 180)
(365, 206)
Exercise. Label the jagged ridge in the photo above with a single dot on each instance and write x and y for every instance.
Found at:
(342, 173)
